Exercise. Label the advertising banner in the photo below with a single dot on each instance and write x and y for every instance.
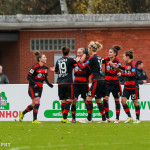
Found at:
(15, 98)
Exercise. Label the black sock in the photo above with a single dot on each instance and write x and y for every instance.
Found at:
(117, 109)
(66, 109)
(106, 106)
(89, 110)
(73, 111)
(127, 110)
(35, 111)
(137, 111)
(102, 110)
(62, 107)
(28, 109)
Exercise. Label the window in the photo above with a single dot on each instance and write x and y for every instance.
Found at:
(51, 44)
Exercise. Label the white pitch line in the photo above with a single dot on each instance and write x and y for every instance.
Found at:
(67, 145)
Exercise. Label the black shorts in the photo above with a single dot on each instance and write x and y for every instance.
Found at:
(80, 89)
(134, 93)
(35, 92)
(65, 91)
(97, 89)
(115, 88)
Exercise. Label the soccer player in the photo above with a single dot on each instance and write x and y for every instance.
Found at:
(131, 87)
(112, 83)
(63, 68)
(36, 76)
(94, 63)
(80, 83)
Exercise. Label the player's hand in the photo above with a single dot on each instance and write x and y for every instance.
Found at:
(119, 74)
(77, 59)
(51, 85)
(52, 68)
(86, 51)
(110, 63)
(36, 86)
(144, 81)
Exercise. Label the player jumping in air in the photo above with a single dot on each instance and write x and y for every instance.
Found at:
(94, 63)
(36, 76)
(112, 83)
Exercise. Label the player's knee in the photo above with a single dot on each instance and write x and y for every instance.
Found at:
(135, 102)
(123, 101)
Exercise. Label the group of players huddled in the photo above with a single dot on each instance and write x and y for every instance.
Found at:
(87, 63)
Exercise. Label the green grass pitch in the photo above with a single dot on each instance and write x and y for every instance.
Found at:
(52, 135)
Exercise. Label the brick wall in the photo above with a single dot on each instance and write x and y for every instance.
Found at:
(10, 60)
(17, 57)
(27, 58)
(138, 40)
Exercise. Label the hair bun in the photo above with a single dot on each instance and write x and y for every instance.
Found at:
(36, 53)
(131, 51)
(117, 48)
(99, 46)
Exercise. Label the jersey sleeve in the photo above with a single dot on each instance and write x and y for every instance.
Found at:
(31, 71)
(89, 63)
(103, 60)
(74, 62)
(57, 67)
(119, 63)
(83, 66)
(46, 70)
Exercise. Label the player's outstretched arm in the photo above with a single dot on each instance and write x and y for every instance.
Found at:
(48, 83)
(53, 70)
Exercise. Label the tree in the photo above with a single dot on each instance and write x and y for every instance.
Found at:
(11, 7)
(108, 6)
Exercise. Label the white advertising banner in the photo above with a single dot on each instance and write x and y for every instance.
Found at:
(15, 98)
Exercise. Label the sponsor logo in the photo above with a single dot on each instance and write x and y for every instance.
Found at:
(5, 111)
(31, 71)
(81, 111)
(4, 105)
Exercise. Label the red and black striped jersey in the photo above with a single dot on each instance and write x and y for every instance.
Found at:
(64, 66)
(110, 72)
(94, 63)
(130, 76)
(38, 74)
(81, 76)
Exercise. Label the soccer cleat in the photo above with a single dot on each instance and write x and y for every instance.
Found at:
(85, 121)
(73, 121)
(65, 120)
(137, 121)
(36, 121)
(21, 116)
(116, 121)
(103, 121)
(108, 119)
(128, 120)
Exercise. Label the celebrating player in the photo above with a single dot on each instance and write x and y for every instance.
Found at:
(94, 63)
(112, 83)
(131, 87)
(36, 76)
(80, 83)
(63, 68)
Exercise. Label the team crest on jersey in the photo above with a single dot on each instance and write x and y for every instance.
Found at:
(39, 75)
(128, 67)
